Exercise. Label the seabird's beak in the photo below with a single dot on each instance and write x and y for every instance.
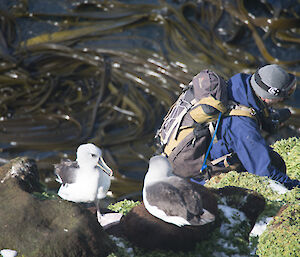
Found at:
(101, 163)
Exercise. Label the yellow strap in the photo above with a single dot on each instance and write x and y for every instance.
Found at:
(220, 159)
(214, 103)
(247, 113)
(175, 141)
(200, 116)
(226, 164)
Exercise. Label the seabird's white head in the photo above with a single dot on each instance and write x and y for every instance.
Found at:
(90, 156)
(159, 168)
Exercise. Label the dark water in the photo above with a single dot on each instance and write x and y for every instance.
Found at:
(107, 71)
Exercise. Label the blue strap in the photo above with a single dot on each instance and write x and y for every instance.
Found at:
(204, 166)
(198, 181)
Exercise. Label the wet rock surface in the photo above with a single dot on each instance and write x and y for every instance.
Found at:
(44, 227)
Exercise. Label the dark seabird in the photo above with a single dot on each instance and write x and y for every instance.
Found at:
(85, 180)
(171, 198)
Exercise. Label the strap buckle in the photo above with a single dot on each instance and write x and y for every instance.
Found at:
(252, 111)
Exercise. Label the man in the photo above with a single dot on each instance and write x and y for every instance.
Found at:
(241, 135)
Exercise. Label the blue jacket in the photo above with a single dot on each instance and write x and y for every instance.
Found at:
(242, 135)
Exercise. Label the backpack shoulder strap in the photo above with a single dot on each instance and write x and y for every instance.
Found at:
(217, 104)
(199, 114)
(241, 110)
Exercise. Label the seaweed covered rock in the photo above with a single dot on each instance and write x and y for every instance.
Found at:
(282, 235)
(34, 226)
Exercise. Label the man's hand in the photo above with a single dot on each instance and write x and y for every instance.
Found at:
(276, 119)
(292, 184)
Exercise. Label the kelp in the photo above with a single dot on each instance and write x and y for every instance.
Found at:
(107, 71)
(97, 29)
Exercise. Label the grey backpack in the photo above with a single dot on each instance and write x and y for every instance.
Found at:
(186, 130)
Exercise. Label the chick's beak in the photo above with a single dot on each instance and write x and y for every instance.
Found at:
(101, 163)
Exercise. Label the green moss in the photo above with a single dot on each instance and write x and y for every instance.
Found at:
(123, 206)
(282, 238)
(245, 180)
(292, 196)
(289, 149)
(46, 195)
(274, 200)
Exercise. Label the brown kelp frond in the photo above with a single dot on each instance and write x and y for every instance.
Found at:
(107, 71)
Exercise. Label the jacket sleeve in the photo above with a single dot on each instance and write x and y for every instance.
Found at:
(245, 139)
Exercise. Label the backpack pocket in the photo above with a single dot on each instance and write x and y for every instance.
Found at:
(188, 156)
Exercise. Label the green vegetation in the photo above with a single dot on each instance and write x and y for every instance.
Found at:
(123, 206)
(281, 238)
(289, 149)
(45, 195)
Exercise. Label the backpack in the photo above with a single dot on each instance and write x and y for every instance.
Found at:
(185, 133)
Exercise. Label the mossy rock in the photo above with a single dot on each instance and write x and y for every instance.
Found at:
(282, 237)
(236, 209)
(289, 149)
(36, 226)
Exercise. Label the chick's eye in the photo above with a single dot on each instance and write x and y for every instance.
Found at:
(93, 155)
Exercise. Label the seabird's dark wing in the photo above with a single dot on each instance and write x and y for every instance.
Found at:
(175, 197)
(66, 171)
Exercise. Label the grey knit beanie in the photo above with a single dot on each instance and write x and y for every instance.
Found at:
(272, 82)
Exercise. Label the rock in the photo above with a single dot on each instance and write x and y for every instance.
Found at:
(248, 201)
(24, 171)
(146, 231)
(50, 227)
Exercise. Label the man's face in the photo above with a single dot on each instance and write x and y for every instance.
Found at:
(271, 102)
